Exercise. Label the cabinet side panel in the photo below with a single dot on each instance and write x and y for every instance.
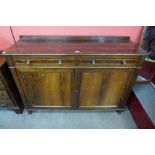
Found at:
(16, 79)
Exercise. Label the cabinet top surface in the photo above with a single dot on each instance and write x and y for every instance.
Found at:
(60, 45)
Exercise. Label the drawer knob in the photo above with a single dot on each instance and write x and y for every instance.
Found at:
(28, 62)
(60, 62)
(124, 62)
(93, 62)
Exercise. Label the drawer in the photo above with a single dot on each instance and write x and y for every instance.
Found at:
(1, 85)
(42, 61)
(5, 102)
(4, 94)
(107, 61)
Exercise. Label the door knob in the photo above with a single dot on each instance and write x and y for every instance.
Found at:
(124, 62)
(93, 62)
(60, 62)
(28, 62)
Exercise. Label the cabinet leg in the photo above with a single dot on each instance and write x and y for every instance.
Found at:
(30, 112)
(18, 111)
(119, 111)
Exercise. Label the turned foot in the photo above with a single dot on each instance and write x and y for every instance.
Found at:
(30, 112)
(119, 111)
(18, 111)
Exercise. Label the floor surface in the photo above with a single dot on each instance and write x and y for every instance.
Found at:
(67, 120)
(146, 95)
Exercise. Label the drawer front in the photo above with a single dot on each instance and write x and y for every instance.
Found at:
(4, 94)
(5, 102)
(70, 61)
(107, 61)
(43, 61)
(1, 85)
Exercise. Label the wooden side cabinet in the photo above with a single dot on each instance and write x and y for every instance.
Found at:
(9, 95)
(93, 73)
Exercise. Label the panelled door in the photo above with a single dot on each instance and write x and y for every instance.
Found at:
(45, 87)
(101, 88)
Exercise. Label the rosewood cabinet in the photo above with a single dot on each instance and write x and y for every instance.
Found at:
(57, 72)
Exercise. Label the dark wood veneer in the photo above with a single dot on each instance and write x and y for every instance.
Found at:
(74, 72)
(117, 46)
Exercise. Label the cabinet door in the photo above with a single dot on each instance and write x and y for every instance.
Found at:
(101, 88)
(48, 87)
